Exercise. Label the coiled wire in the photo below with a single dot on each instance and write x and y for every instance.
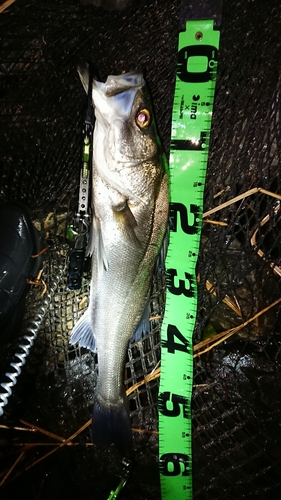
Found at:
(36, 308)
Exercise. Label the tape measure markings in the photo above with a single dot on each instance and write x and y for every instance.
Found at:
(190, 138)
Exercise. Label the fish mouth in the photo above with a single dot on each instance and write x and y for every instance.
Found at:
(116, 84)
(114, 98)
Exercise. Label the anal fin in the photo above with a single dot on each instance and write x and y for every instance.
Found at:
(82, 333)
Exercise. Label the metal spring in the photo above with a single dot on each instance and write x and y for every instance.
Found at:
(31, 327)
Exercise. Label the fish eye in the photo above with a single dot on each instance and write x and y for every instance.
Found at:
(143, 118)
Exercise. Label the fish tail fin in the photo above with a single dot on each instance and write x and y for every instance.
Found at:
(112, 425)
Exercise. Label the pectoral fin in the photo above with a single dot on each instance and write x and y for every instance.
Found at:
(126, 222)
(96, 244)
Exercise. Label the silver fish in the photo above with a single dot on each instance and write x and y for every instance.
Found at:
(129, 221)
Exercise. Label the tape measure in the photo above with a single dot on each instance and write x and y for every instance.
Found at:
(191, 124)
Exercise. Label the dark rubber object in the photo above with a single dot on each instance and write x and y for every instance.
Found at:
(19, 240)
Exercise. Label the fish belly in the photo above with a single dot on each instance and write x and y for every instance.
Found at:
(118, 298)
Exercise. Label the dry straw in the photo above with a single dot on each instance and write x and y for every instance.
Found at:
(5, 5)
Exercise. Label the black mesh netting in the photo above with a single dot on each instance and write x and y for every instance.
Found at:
(236, 400)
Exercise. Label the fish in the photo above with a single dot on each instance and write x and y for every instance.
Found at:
(130, 204)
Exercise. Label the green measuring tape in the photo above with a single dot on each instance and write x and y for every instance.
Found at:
(191, 124)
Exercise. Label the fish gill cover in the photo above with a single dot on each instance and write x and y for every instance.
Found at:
(236, 399)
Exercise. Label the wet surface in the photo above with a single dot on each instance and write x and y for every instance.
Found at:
(236, 403)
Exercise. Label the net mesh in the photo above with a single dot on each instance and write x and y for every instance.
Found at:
(236, 398)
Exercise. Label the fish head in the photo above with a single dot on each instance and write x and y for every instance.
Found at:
(125, 129)
(124, 120)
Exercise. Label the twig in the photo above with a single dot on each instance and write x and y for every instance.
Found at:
(151, 376)
(12, 468)
(144, 431)
(34, 445)
(16, 428)
(82, 302)
(203, 387)
(215, 222)
(221, 337)
(43, 431)
(39, 282)
(68, 440)
(221, 192)
(253, 240)
(44, 250)
(240, 197)
(5, 5)
(46, 221)
(227, 300)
